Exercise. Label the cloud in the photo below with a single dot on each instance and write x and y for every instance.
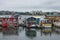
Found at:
(28, 5)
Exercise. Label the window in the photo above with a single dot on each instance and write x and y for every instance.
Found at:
(47, 13)
(51, 13)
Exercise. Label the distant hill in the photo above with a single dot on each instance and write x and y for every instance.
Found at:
(9, 13)
(30, 13)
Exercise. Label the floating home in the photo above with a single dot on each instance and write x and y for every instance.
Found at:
(23, 18)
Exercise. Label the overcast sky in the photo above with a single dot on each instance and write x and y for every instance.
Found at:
(29, 5)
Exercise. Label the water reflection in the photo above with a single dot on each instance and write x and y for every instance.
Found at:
(10, 31)
(33, 32)
(57, 30)
(30, 33)
(46, 31)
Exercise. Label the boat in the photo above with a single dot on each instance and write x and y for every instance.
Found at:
(46, 25)
(57, 24)
(10, 25)
(32, 21)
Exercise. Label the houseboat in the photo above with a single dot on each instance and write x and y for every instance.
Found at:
(10, 25)
(57, 26)
(46, 25)
(22, 19)
(31, 22)
(35, 21)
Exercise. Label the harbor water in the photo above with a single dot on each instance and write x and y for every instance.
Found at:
(31, 34)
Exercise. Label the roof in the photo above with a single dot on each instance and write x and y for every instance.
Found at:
(53, 15)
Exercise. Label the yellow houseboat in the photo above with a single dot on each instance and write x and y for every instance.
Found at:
(46, 25)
